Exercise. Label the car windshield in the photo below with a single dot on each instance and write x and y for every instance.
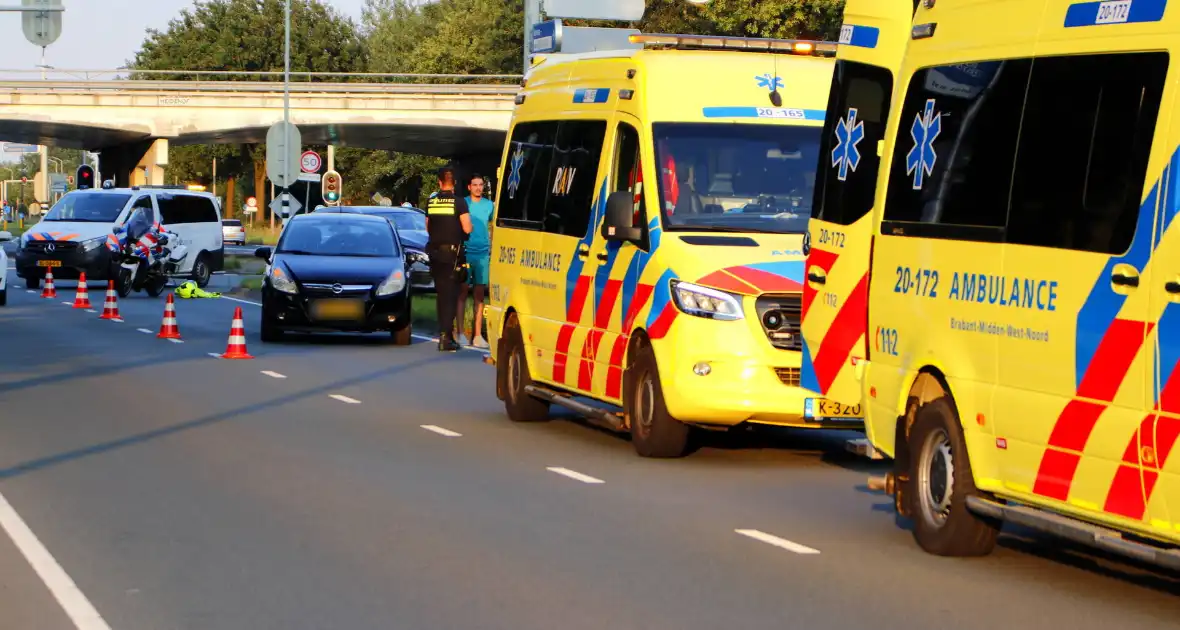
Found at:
(407, 220)
(736, 177)
(88, 208)
(334, 237)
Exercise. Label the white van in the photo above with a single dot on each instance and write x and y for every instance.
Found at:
(71, 237)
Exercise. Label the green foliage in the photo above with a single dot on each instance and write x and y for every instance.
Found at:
(785, 19)
(445, 37)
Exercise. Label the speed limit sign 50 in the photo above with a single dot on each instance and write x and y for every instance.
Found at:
(310, 161)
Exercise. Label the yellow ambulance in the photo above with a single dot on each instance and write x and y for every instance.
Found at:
(647, 266)
(1023, 292)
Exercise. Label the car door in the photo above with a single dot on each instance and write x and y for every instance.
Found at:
(840, 233)
(1076, 283)
(1160, 431)
(573, 213)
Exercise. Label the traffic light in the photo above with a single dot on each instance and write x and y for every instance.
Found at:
(85, 177)
(332, 188)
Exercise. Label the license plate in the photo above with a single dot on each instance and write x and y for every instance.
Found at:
(338, 310)
(48, 263)
(823, 409)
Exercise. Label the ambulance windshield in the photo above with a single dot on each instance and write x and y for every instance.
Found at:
(736, 177)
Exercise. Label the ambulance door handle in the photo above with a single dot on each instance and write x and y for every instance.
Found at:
(816, 277)
(1124, 280)
(1172, 287)
(584, 252)
(602, 258)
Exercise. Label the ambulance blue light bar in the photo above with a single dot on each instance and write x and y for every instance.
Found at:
(749, 44)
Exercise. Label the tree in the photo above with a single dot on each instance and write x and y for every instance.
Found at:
(786, 19)
(445, 37)
(242, 35)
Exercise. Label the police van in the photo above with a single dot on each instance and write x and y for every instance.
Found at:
(646, 250)
(1022, 262)
(72, 236)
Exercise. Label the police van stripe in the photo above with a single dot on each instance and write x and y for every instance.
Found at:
(1114, 12)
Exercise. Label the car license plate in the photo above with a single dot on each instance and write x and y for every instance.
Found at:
(48, 263)
(338, 310)
(823, 409)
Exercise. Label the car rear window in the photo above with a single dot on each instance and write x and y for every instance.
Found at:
(232, 222)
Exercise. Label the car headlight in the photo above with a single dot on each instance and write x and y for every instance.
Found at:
(394, 283)
(280, 281)
(415, 257)
(701, 301)
(91, 244)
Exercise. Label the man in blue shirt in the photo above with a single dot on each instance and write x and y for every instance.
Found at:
(479, 257)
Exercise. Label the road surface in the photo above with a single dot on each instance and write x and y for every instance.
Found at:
(340, 482)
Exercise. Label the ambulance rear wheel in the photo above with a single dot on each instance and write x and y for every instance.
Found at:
(940, 482)
(654, 432)
(512, 376)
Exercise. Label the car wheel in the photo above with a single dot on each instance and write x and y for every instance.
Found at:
(941, 480)
(512, 376)
(201, 271)
(32, 284)
(4, 297)
(654, 432)
(269, 329)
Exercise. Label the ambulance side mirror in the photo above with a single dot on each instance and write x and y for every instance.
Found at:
(620, 210)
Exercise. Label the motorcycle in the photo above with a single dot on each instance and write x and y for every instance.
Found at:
(146, 255)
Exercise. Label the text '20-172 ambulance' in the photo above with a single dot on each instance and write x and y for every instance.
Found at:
(647, 249)
(1023, 287)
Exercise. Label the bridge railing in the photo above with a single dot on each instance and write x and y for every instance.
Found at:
(267, 76)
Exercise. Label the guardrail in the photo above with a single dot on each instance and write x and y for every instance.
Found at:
(256, 87)
(266, 76)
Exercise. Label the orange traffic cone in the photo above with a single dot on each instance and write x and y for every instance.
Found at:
(110, 307)
(48, 290)
(168, 328)
(236, 347)
(81, 297)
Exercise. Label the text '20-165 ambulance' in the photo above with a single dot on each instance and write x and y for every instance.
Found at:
(1022, 262)
(647, 245)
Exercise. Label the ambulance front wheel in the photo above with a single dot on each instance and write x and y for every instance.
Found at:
(654, 432)
(512, 377)
(940, 482)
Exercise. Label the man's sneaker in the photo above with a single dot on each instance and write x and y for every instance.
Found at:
(480, 342)
(447, 344)
(462, 339)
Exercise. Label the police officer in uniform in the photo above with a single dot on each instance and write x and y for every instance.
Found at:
(448, 224)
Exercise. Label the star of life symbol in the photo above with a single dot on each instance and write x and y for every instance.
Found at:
(770, 82)
(514, 176)
(849, 133)
(921, 159)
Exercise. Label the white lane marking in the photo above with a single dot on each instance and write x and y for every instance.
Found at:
(90, 310)
(226, 297)
(781, 543)
(273, 374)
(215, 355)
(64, 590)
(68, 303)
(30, 291)
(441, 431)
(176, 340)
(144, 331)
(573, 474)
(342, 398)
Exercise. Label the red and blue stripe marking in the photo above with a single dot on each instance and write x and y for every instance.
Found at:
(846, 329)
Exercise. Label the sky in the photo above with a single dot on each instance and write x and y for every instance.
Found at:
(102, 34)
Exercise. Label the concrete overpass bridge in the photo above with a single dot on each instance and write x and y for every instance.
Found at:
(131, 122)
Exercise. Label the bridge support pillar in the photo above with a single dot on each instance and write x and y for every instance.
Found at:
(135, 164)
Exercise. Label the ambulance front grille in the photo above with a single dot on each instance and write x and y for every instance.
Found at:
(788, 376)
(781, 319)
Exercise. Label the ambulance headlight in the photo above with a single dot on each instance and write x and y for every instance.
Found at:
(701, 301)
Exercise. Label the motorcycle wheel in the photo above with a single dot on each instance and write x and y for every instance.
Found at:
(123, 285)
(155, 287)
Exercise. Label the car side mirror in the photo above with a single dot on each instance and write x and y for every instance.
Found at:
(5, 236)
(620, 209)
(263, 253)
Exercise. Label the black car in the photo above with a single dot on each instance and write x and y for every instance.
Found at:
(336, 272)
(410, 223)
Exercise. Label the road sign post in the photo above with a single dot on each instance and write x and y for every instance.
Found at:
(283, 141)
(310, 162)
(285, 205)
(41, 21)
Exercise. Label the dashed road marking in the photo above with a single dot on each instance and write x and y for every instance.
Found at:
(232, 299)
(781, 543)
(68, 303)
(441, 431)
(30, 291)
(343, 398)
(273, 374)
(65, 591)
(90, 310)
(215, 355)
(144, 331)
(573, 474)
(176, 340)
